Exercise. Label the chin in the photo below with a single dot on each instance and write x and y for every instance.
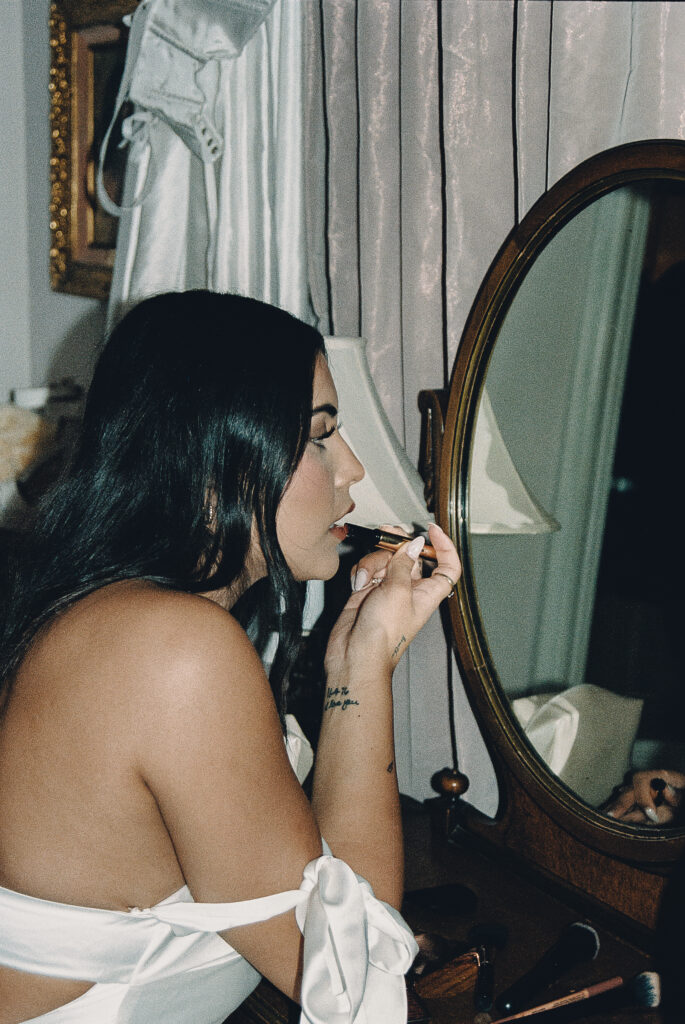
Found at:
(321, 569)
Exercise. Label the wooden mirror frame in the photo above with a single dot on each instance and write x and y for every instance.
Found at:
(607, 865)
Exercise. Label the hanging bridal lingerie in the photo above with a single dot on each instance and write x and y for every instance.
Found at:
(171, 74)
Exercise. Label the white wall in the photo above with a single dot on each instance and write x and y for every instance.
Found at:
(15, 353)
(44, 335)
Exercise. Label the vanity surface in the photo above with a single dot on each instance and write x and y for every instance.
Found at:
(534, 919)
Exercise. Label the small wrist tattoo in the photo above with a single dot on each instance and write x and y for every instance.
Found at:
(338, 697)
(390, 767)
(401, 641)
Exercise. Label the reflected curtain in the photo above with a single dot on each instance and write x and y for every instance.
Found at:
(431, 128)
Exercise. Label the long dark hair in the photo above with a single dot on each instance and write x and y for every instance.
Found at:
(197, 397)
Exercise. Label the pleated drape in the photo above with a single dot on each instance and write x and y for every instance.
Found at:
(440, 125)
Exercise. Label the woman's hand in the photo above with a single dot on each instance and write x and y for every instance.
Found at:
(390, 602)
(651, 797)
(355, 792)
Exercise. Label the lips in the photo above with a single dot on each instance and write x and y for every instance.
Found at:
(339, 530)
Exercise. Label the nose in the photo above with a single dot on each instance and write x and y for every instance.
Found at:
(350, 470)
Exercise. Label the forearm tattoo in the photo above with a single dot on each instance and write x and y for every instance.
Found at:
(338, 697)
(401, 641)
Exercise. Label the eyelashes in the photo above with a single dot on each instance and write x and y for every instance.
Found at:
(320, 438)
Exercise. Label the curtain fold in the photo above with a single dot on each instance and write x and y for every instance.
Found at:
(442, 123)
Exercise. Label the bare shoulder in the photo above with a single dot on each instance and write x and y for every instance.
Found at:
(147, 642)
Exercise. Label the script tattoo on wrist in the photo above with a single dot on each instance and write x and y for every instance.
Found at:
(338, 697)
(401, 641)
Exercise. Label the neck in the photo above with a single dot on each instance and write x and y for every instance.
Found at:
(226, 597)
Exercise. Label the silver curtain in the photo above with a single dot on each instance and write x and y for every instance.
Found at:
(439, 125)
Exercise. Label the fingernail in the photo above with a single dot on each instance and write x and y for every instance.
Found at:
(361, 578)
(652, 815)
(671, 789)
(438, 527)
(415, 547)
(611, 814)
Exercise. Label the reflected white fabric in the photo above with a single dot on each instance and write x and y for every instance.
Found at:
(166, 965)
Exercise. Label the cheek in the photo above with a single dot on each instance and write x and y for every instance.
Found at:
(312, 485)
(306, 512)
(308, 496)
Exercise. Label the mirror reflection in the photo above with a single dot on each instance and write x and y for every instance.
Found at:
(584, 625)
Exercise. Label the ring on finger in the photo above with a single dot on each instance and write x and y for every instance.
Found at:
(377, 580)
(452, 583)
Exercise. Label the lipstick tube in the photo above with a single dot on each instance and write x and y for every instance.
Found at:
(377, 538)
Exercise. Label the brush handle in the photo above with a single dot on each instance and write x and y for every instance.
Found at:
(572, 997)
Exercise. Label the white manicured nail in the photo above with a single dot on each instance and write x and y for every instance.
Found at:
(361, 578)
(415, 547)
(652, 815)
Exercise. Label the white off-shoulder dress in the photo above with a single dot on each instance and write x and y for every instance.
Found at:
(166, 964)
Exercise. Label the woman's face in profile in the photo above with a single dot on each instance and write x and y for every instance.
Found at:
(318, 494)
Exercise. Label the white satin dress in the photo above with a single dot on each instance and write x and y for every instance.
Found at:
(166, 964)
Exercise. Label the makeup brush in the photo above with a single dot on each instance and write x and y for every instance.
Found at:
(577, 944)
(644, 990)
(434, 952)
(377, 538)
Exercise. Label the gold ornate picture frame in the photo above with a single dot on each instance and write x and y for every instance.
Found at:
(88, 45)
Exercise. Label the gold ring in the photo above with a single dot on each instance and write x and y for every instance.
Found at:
(453, 585)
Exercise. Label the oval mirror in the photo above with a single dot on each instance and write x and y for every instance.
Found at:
(568, 640)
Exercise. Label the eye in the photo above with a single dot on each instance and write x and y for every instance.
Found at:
(319, 439)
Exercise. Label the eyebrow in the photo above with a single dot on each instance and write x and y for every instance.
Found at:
(329, 409)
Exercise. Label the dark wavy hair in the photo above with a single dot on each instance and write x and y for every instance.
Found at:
(195, 394)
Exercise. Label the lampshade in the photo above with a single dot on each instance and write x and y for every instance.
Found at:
(392, 490)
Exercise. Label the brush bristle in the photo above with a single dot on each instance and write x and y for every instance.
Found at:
(646, 989)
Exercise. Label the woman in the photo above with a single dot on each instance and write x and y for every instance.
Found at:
(142, 755)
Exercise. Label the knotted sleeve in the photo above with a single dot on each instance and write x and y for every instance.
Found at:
(357, 949)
